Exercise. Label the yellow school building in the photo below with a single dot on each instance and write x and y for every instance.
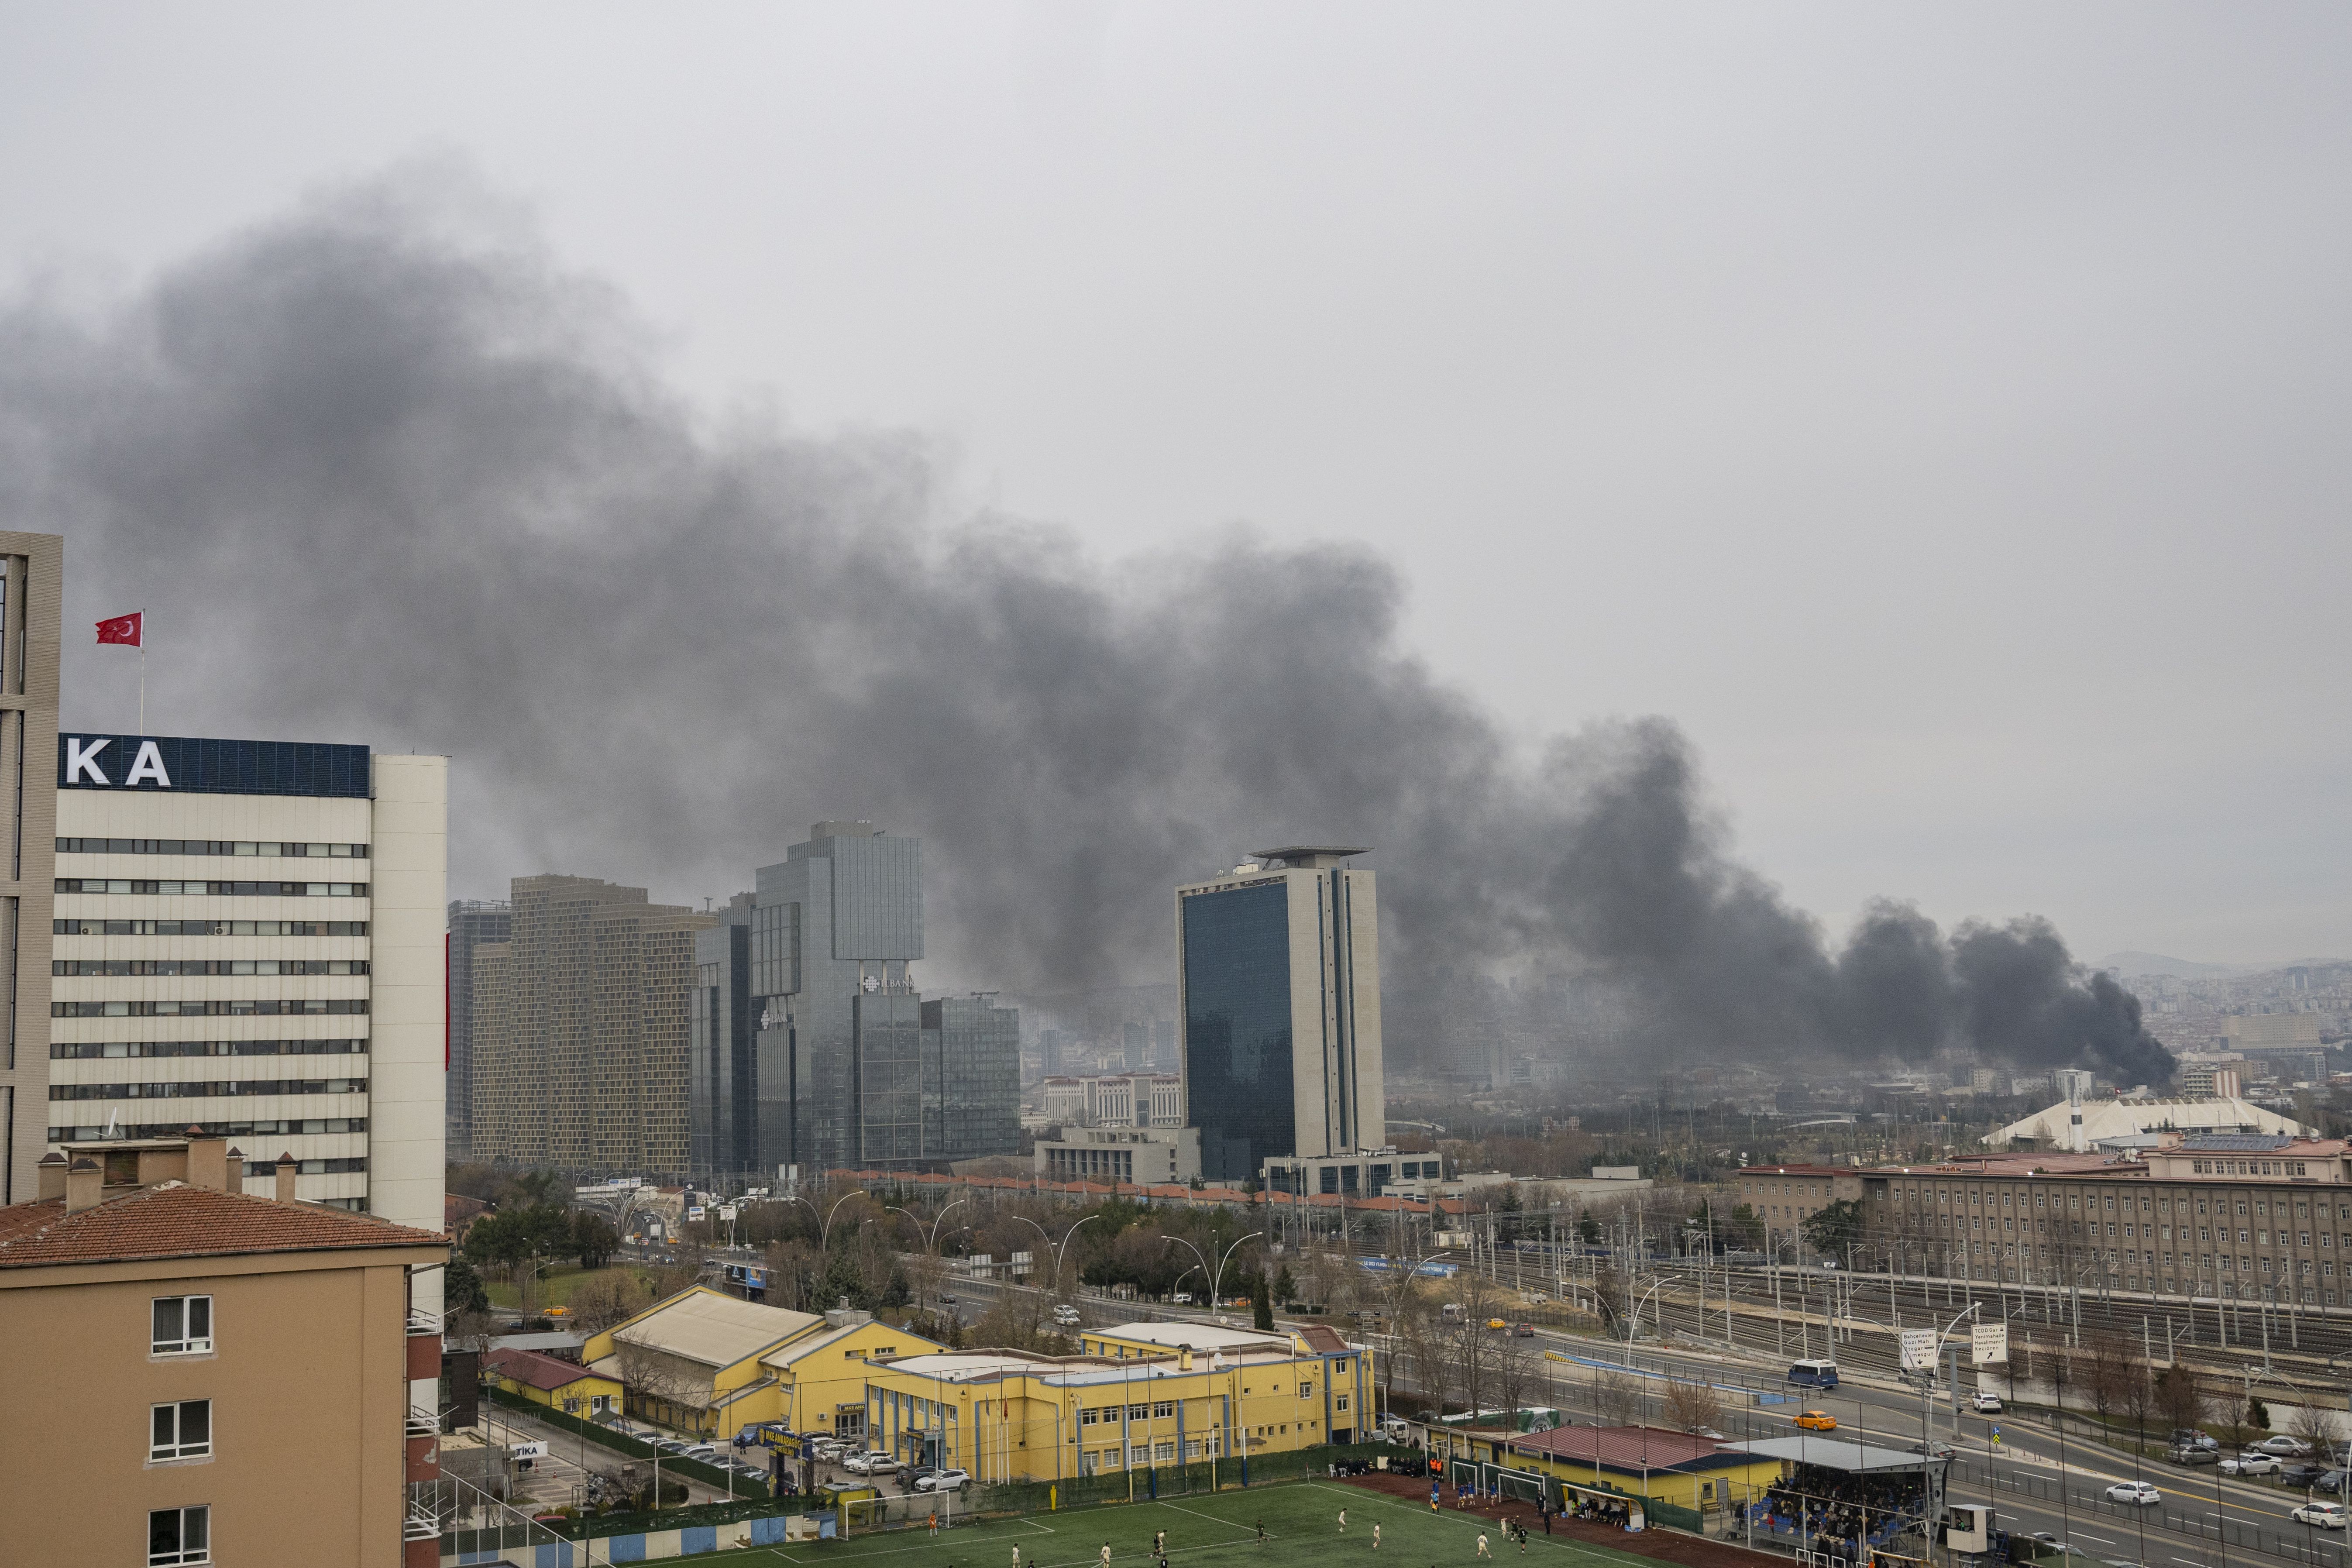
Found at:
(706, 1363)
(1142, 1395)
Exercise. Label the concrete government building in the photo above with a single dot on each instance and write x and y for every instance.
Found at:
(1278, 994)
(246, 938)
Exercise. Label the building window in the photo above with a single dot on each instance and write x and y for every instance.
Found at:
(176, 1536)
(183, 1326)
(1164, 1411)
(181, 1431)
(1341, 1402)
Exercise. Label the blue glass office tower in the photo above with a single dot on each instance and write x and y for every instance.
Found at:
(1278, 1002)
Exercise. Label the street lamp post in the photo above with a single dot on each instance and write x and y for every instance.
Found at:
(1060, 1249)
(1217, 1274)
(825, 1224)
(931, 1234)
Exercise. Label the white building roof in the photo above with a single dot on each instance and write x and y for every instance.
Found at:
(2105, 1119)
(1206, 1338)
(714, 1329)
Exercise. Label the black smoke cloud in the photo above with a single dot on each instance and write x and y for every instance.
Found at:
(381, 471)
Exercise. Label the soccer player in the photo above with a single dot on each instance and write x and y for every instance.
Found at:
(1106, 1554)
(1261, 1532)
(1343, 1522)
(1482, 1547)
(1376, 1535)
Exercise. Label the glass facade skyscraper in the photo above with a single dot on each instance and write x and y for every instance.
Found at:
(853, 1067)
(1278, 1004)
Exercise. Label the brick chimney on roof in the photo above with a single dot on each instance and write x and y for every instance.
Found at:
(85, 1185)
(207, 1161)
(286, 1169)
(53, 1176)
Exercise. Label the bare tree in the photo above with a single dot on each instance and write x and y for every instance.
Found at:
(2179, 1401)
(2313, 1425)
(2107, 1370)
(1617, 1397)
(1513, 1371)
(608, 1300)
(1691, 1405)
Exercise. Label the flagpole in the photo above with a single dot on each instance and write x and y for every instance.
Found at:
(143, 672)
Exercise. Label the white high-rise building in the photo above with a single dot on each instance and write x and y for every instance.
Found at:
(248, 938)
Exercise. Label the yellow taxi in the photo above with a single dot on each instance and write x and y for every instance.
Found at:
(1498, 1325)
(1817, 1421)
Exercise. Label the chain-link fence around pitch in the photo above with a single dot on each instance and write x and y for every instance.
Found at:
(1144, 1484)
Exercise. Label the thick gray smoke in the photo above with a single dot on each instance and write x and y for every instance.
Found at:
(378, 476)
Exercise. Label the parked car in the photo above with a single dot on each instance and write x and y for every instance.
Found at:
(2252, 1462)
(2286, 1448)
(1817, 1421)
(2329, 1481)
(867, 1462)
(699, 1451)
(670, 1444)
(1065, 1315)
(1183, 1298)
(943, 1480)
(2141, 1493)
(1709, 1433)
(1985, 1403)
(2325, 1515)
(2194, 1455)
(2302, 1473)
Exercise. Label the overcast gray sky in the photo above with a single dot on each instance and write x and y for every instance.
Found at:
(1941, 415)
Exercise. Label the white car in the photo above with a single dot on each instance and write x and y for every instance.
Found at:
(2252, 1462)
(2325, 1515)
(1985, 1403)
(1067, 1317)
(2142, 1492)
(867, 1462)
(943, 1480)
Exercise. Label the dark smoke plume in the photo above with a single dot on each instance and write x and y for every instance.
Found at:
(381, 475)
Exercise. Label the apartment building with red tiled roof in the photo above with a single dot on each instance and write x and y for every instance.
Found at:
(199, 1373)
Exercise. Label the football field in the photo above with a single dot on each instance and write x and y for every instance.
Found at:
(1301, 1520)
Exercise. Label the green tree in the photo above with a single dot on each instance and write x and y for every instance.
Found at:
(2258, 1415)
(1588, 1229)
(1834, 1226)
(461, 1288)
(1286, 1289)
(1261, 1305)
(1741, 1230)
(592, 1239)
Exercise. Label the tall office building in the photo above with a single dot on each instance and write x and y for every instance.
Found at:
(472, 922)
(32, 568)
(248, 939)
(722, 1120)
(853, 1067)
(1278, 994)
(581, 1028)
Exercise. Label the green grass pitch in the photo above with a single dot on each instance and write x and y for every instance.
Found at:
(1301, 1519)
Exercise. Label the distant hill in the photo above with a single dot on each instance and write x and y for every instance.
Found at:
(2132, 963)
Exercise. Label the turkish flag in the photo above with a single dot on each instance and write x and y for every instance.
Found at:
(122, 628)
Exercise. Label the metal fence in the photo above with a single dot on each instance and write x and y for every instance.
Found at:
(2206, 1521)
